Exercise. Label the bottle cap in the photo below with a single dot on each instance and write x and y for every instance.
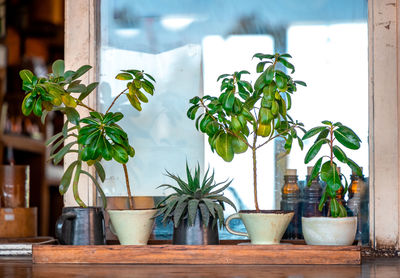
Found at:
(309, 170)
(290, 172)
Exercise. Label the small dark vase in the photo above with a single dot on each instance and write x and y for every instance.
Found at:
(198, 234)
(81, 226)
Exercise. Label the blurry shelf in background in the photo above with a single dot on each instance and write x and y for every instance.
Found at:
(23, 143)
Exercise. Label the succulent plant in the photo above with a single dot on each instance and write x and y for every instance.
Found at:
(193, 195)
(331, 134)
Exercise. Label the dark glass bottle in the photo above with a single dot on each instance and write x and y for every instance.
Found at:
(357, 198)
(340, 191)
(311, 196)
(291, 202)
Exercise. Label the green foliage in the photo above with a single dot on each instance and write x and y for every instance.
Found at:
(328, 170)
(243, 108)
(93, 138)
(193, 195)
(243, 112)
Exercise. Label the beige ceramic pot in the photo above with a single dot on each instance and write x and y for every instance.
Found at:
(329, 230)
(264, 227)
(132, 227)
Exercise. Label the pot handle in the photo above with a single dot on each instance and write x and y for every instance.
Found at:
(228, 220)
(60, 224)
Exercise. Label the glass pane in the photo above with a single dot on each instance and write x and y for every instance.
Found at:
(185, 45)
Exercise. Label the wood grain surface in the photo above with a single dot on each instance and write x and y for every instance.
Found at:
(192, 254)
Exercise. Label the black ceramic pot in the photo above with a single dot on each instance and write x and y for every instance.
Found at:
(81, 226)
(198, 234)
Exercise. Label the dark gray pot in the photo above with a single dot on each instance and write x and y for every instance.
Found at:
(81, 226)
(198, 234)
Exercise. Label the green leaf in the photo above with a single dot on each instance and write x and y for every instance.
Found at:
(124, 76)
(315, 171)
(98, 187)
(27, 104)
(178, 212)
(58, 68)
(89, 89)
(313, 151)
(192, 210)
(333, 180)
(238, 145)
(222, 76)
(322, 201)
(224, 147)
(100, 171)
(261, 65)
(339, 154)
(269, 74)
(66, 178)
(61, 153)
(354, 167)
(300, 83)
(313, 131)
(327, 123)
(81, 71)
(26, 75)
(347, 137)
(149, 76)
(286, 64)
(120, 154)
(205, 214)
(229, 100)
(72, 115)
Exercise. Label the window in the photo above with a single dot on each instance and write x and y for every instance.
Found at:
(186, 45)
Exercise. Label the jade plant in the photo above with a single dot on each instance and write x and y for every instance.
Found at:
(92, 138)
(192, 195)
(245, 113)
(326, 167)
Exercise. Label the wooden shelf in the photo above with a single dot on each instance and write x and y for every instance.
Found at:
(197, 254)
(23, 143)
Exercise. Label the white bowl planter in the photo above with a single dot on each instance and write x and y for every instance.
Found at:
(264, 227)
(132, 227)
(329, 230)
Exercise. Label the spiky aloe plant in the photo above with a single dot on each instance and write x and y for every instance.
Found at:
(193, 195)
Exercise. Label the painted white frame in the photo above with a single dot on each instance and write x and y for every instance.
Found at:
(81, 35)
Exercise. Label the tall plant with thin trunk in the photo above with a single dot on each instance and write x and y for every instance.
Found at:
(92, 138)
(245, 114)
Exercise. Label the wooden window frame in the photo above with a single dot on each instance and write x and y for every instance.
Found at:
(82, 34)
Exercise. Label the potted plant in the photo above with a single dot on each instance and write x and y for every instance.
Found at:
(91, 139)
(337, 228)
(241, 115)
(195, 208)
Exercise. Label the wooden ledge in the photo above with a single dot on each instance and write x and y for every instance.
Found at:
(196, 254)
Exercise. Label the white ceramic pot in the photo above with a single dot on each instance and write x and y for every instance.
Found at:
(329, 230)
(265, 227)
(132, 227)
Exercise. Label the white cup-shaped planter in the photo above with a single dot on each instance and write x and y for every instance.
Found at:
(132, 227)
(264, 227)
(329, 230)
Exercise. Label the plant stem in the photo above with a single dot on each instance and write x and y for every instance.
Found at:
(80, 103)
(128, 186)
(254, 149)
(115, 99)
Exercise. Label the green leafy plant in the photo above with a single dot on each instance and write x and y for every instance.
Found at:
(92, 138)
(326, 166)
(193, 195)
(243, 112)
